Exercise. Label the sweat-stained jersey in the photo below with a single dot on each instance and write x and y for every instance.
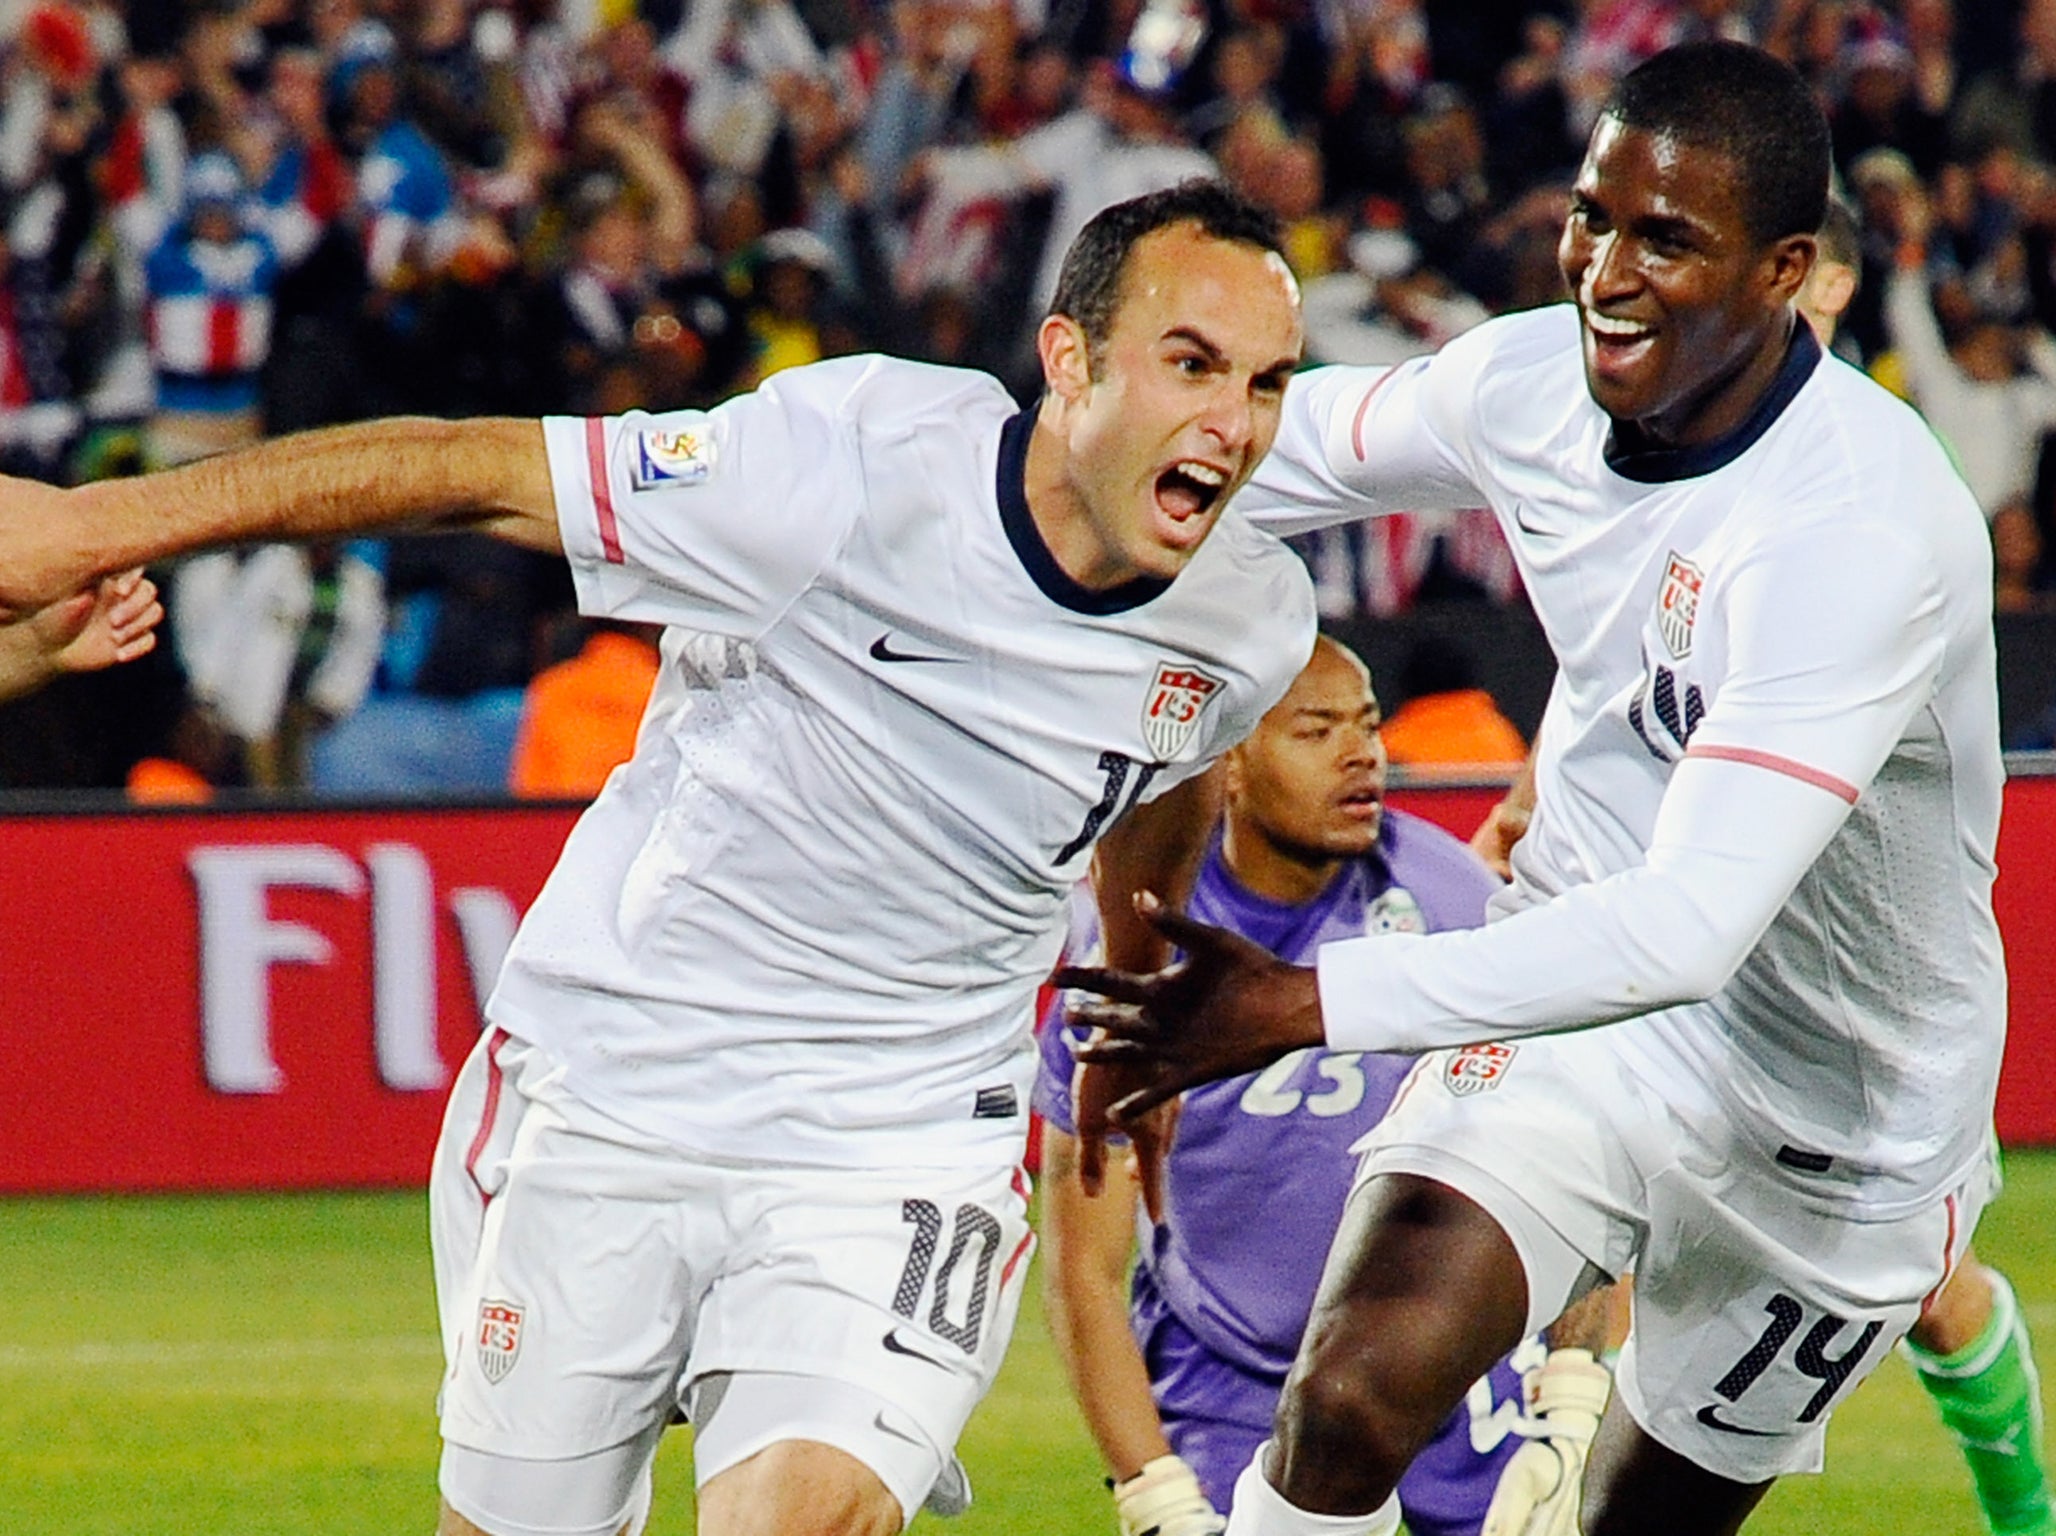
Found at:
(806, 922)
(1769, 771)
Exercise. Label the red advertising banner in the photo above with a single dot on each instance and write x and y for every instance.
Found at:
(223, 1000)
(279, 999)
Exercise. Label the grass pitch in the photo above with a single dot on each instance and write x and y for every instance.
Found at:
(267, 1365)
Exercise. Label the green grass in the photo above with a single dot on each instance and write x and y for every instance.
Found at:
(267, 1365)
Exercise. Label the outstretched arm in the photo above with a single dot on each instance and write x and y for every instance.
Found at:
(489, 474)
(1087, 1244)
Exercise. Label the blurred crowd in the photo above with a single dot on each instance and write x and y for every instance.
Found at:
(223, 219)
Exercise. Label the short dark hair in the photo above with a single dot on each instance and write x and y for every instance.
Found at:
(1089, 287)
(1841, 233)
(1746, 104)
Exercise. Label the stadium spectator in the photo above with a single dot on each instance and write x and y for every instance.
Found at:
(1446, 720)
(1990, 393)
(507, 109)
(211, 281)
(281, 640)
(1123, 141)
(198, 756)
(579, 718)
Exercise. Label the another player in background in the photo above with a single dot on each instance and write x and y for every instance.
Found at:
(1737, 1023)
(743, 1138)
(116, 621)
(1179, 1381)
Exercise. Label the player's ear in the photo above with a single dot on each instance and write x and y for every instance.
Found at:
(1790, 260)
(1066, 356)
(1232, 773)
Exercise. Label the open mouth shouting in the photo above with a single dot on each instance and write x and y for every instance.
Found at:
(1187, 491)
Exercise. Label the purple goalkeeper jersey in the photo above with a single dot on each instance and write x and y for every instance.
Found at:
(1258, 1174)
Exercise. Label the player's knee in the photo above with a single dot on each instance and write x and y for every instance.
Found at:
(799, 1488)
(1340, 1423)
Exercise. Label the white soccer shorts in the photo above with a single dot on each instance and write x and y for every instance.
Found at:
(1757, 1310)
(589, 1277)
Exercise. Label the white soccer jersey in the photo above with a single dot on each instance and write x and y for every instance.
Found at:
(1768, 775)
(807, 920)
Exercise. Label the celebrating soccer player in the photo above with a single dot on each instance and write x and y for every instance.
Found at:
(1745, 997)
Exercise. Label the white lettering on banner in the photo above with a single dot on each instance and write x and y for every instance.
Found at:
(403, 968)
(240, 942)
(486, 921)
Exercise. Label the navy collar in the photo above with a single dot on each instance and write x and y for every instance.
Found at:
(1629, 455)
(1034, 555)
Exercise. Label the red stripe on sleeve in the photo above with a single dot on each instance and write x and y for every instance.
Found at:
(1356, 427)
(603, 493)
(1776, 764)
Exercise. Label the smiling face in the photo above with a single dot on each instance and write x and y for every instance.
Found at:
(1307, 789)
(1685, 309)
(1164, 420)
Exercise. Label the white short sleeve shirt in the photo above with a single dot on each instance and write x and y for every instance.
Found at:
(807, 920)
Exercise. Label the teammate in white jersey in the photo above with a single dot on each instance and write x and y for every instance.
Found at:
(1768, 793)
(743, 1139)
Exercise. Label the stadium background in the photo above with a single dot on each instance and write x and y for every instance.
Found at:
(226, 1031)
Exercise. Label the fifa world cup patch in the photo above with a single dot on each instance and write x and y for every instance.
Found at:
(1475, 1068)
(1177, 697)
(499, 1338)
(675, 456)
(1677, 605)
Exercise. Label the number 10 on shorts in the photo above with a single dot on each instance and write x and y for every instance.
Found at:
(973, 1224)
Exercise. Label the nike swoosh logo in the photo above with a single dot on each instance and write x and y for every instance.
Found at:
(881, 650)
(878, 1423)
(1520, 518)
(894, 1346)
(1711, 1418)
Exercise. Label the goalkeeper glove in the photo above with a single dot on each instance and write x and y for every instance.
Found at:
(1164, 1499)
(1539, 1491)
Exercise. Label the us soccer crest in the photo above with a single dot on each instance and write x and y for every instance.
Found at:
(1477, 1067)
(1173, 705)
(1677, 605)
(499, 1338)
(683, 456)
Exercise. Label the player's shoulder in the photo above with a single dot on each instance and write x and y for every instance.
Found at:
(1855, 454)
(1518, 374)
(1519, 344)
(1414, 842)
(1260, 574)
(883, 398)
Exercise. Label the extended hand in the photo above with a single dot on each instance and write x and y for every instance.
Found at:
(111, 622)
(1226, 1007)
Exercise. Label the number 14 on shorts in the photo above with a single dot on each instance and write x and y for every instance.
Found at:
(1810, 1356)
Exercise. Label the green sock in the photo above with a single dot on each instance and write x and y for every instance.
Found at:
(1991, 1401)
